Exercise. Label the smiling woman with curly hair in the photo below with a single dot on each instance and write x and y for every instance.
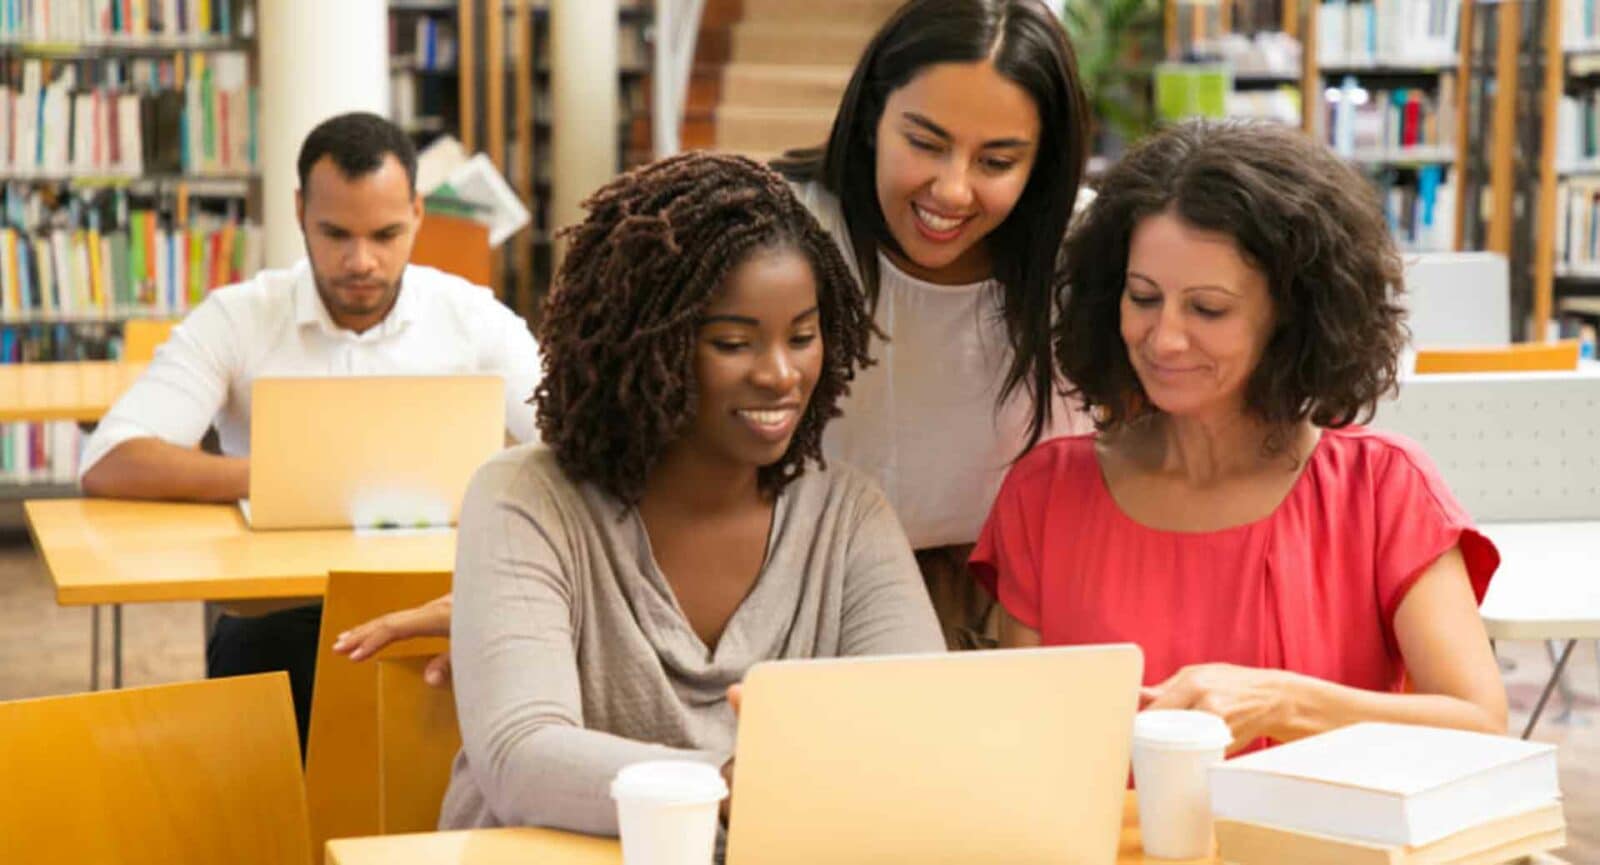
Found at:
(678, 524)
(1226, 316)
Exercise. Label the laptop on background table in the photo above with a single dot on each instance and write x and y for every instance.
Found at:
(1017, 756)
(369, 451)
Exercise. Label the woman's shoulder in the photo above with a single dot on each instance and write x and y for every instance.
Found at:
(526, 478)
(1374, 450)
(1068, 456)
(1381, 464)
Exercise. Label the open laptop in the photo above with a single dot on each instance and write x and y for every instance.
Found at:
(369, 451)
(1016, 756)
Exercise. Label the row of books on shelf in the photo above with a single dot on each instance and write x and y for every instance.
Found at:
(1580, 24)
(428, 42)
(1420, 206)
(1390, 123)
(418, 100)
(112, 22)
(39, 453)
(86, 263)
(1388, 32)
(1578, 130)
(1577, 241)
(190, 114)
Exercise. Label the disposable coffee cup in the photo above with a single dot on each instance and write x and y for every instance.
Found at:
(667, 812)
(1172, 750)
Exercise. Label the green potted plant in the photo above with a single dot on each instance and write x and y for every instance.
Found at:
(1118, 43)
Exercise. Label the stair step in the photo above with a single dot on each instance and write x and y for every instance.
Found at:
(767, 130)
(799, 44)
(869, 14)
(784, 85)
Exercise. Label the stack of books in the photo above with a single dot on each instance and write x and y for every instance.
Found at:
(1389, 794)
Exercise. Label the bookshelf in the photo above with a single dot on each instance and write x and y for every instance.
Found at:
(1387, 87)
(1378, 80)
(1257, 42)
(128, 184)
(424, 68)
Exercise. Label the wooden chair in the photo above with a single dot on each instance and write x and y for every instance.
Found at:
(343, 757)
(203, 771)
(457, 245)
(417, 742)
(141, 337)
(1518, 357)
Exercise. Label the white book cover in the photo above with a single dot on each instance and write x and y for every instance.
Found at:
(1386, 783)
(82, 156)
(128, 130)
(7, 97)
(27, 117)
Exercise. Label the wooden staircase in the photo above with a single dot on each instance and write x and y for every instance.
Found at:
(769, 73)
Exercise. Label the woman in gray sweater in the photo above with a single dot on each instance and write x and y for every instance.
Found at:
(677, 524)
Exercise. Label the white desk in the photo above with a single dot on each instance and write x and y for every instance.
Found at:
(1548, 588)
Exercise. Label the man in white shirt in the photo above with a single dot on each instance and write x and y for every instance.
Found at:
(353, 307)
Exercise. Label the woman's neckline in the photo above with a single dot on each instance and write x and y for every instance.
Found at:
(1104, 487)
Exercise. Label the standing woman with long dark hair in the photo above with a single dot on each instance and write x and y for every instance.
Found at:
(948, 181)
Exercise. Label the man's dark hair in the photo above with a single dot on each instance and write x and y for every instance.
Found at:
(619, 328)
(357, 142)
(1303, 216)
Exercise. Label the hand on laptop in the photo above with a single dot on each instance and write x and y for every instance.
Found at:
(429, 620)
(1253, 701)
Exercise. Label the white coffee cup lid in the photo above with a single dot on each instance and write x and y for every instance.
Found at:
(1181, 728)
(678, 781)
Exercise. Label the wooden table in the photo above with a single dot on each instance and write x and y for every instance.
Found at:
(65, 390)
(547, 847)
(105, 551)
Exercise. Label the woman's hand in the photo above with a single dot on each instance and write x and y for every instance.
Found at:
(429, 620)
(1254, 702)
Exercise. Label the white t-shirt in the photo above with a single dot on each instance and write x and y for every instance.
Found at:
(925, 421)
(275, 324)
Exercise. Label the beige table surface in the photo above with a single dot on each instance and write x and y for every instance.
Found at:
(547, 847)
(67, 390)
(103, 551)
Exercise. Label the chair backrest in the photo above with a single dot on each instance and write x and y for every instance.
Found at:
(203, 771)
(342, 753)
(455, 244)
(1518, 357)
(141, 337)
(1512, 446)
(417, 742)
(1457, 298)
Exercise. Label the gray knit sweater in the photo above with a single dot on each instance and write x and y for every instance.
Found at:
(572, 659)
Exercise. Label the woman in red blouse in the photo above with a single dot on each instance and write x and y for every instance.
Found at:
(1227, 323)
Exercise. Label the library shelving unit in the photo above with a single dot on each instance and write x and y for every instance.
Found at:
(1386, 90)
(501, 81)
(1377, 80)
(1259, 44)
(128, 184)
(1567, 255)
(424, 68)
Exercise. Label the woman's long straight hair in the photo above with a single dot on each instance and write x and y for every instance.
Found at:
(1027, 44)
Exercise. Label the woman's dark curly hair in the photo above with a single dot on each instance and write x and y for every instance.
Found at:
(620, 325)
(1306, 219)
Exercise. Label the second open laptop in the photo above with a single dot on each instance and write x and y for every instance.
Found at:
(1016, 756)
(369, 451)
